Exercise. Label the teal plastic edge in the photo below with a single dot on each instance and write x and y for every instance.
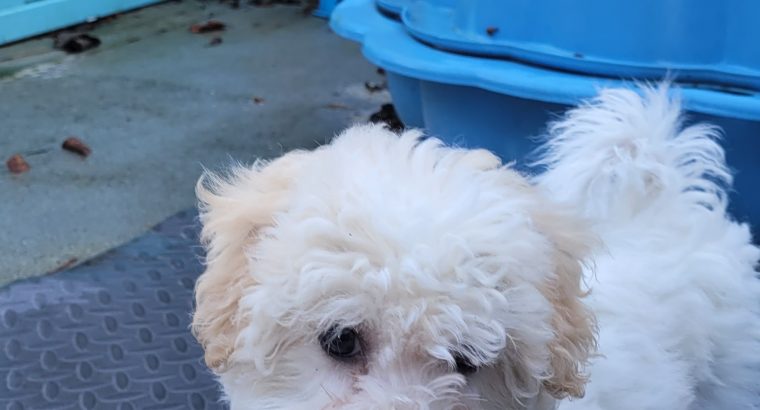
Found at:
(353, 19)
(387, 44)
(28, 20)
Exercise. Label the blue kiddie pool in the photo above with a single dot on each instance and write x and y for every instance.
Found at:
(701, 40)
(501, 104)
(21, 19)
(392, 7)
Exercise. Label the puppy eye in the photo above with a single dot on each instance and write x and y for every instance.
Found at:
(463, 365)
(341, 344)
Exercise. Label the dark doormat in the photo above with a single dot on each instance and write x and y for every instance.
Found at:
(112, 333)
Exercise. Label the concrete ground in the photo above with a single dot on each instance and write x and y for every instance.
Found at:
(156, 104)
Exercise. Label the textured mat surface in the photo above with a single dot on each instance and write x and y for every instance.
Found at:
(111, 333)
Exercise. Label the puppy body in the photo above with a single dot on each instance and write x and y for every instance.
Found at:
(673, 288)
(461, 282)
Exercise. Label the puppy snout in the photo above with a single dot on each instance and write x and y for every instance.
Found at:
(442, 393)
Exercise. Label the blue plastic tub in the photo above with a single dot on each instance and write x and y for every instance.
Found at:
(700, 40)
(500, 105)
(20, 19)
(392, 7)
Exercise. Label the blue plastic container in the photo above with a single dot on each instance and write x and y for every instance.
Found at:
(501, 105)
(392, 7)
(21, 19)
(699, 40)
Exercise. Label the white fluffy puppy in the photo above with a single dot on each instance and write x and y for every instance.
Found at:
(390, 272)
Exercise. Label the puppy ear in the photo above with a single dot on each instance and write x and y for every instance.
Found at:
(573, 323)
(232, 210)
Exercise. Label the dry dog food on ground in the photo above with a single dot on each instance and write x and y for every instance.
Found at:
(17, 164)
(208, 26)
(75, 145)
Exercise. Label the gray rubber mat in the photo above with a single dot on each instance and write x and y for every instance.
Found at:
(112, 333)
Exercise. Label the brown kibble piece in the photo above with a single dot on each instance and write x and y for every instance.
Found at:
(73, 144)
(492, 30)
(208, 26)
(17, 164)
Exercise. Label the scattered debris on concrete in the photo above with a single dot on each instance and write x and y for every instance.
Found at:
(308, 6)
(76, 39)
(215, 41)
(75, 145)
(75, 42)
(374, 87)
(492, 30)
(208, 27)
(387, 115)
(257, 100)
(65, 265)
(17, 164)
(268, 3)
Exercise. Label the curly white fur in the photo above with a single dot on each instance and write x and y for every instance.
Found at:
(675, 292)
(432, 253)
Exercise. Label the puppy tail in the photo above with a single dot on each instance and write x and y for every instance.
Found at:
(624, 152)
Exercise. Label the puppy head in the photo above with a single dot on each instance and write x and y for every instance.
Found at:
(389, 272)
